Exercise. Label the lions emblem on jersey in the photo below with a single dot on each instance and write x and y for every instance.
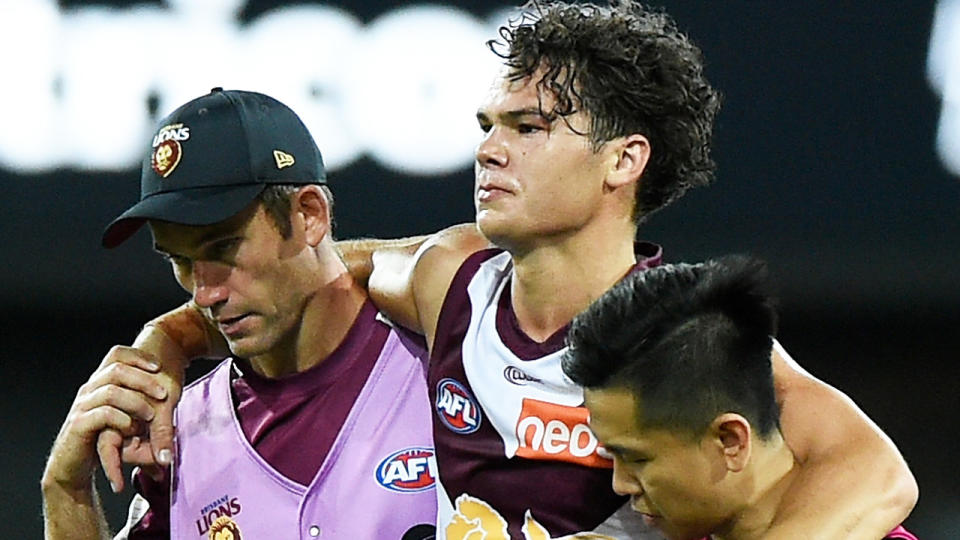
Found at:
(224, 528)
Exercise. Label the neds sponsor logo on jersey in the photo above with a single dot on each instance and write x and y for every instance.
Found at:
(408, 470)
(548, 431)
(457, 408)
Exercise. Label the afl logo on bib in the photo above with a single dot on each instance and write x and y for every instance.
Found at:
(457, 409)
(409, 470)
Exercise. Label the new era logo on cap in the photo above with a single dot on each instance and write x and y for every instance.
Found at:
(283, 159)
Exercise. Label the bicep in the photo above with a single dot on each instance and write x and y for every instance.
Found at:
(847, 464)
(816, 419)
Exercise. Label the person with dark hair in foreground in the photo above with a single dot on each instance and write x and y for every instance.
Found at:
(675, 365)
(600, 116)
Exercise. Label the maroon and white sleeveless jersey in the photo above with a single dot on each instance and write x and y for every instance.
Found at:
(514, 454)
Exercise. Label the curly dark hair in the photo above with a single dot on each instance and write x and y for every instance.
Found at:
(632, 71)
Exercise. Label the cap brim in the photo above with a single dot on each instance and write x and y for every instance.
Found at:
(199, 206)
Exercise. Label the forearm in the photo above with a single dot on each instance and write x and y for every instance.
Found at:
(72, 514)
(178, 336)
(357, 254)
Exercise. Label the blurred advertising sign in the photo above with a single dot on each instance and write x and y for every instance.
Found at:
(83, 87)
(943, 70)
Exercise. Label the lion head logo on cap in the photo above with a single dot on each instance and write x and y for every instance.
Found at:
(165, 158)
(167, 150)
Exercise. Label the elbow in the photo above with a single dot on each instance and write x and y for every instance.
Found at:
(899, 494)
(905, 492)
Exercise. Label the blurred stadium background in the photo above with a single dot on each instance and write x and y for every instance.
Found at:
(838, 150)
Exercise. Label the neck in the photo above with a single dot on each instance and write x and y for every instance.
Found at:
(774, 469)
(560, 277)
(326, 318)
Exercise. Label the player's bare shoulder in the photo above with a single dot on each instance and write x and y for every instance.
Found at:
(438, 261)
(410, 283)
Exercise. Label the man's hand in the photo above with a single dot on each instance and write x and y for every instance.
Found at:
(152, 445)
(169, 342)
(120, 397)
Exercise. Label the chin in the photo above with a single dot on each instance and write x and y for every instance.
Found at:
(492, 229)
(675, 532)
(246, 348)
(505, 234)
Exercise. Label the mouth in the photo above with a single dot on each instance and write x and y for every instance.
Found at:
(490, 192)
(232, 326)
(650, 520)
(640, 508)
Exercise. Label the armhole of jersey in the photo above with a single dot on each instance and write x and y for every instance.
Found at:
(139, 506)
(900, 533)
(457, 296)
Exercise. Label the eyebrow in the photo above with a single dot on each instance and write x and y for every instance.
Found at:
(515, 114)
(615, 449)
(212, 236)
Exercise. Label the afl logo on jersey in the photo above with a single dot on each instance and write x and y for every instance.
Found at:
(457, 409)
(409, 470)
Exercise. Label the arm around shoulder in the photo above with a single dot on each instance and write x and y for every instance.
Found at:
(410, 283)
(853, 482)
(188, 330)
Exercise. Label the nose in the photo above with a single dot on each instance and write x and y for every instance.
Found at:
(624, 483)
(492, 150)
(209, 283)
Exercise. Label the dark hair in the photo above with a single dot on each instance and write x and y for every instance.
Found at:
(275, 199)
(632, 71)
(689, 341)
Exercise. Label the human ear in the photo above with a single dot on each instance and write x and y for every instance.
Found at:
(311, 205)
(632, 155)
(732, 435)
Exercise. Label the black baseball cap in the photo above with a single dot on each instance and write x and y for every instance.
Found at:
(211, 157)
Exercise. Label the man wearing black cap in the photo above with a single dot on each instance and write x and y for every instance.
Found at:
(318, 423)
